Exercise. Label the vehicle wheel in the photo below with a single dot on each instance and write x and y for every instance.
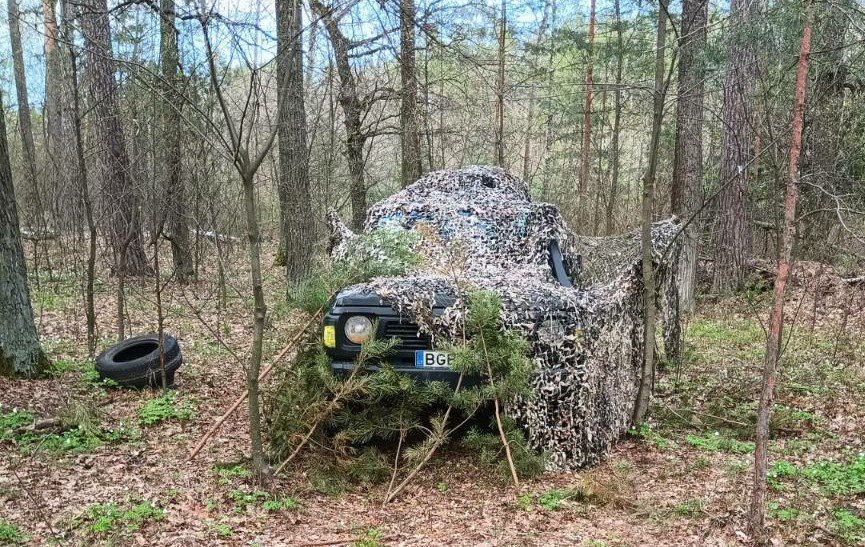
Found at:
(136, 363)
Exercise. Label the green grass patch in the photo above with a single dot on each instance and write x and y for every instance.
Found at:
(719, 443)
(10, 534)
(108, 519)
(850, 527)
(690, 508)
(243, 500)
(164, 408)
(842, 479)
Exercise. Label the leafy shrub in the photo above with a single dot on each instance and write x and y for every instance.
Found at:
(110, 518)
(10, 534)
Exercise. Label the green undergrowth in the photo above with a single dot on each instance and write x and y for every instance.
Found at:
(165, 407)
(77, 431)
(113, 519)
(10, 534)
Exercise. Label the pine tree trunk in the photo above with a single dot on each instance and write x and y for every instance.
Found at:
(776, 320)
(294, 197)
(617, 121)
(30, 186)
(688, 158)
(411, 156)
(20, 352)
(119, 199)
(172, 146)
(641, 407)
(585, 151)
(732, 233)
(349, 101)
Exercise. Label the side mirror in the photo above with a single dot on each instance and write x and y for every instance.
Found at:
(557, 263)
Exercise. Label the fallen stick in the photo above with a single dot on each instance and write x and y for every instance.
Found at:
(264, 373)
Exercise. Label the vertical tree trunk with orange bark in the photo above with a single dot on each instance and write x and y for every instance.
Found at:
(785, 251)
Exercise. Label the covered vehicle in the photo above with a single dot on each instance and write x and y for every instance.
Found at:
(577, 300)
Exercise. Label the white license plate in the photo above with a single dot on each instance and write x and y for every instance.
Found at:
(431, 359)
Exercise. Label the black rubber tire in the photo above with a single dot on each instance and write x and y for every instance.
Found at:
(135, 362)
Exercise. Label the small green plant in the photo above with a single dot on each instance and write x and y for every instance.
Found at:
(10, 534)
(784, 514)
(163, 408)
(552, 499)
(442, 487)
(525, 501)
(646, 432)
(370, 538)
(276, 505)
(257, 498)
(222, 530)
(111, 519)
(690, 508)
(838, 478)
(719, 443)
(11, 421)
(594, 543)
(850, 527)
(231, 472)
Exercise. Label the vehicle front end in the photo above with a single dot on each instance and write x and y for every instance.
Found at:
(357, 315)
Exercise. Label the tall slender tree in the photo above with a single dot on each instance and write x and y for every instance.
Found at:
(120, 201)
(776, 318)
(732, 232)
(585, 151)
(294, 197)
(20, 352)
(617, 119)
(172, 146)
(648, 202)
(349, 101)
(409, 131)
(688, 157)
(25, 129)
(499, 141)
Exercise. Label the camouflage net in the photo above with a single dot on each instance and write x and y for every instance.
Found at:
(480, 230)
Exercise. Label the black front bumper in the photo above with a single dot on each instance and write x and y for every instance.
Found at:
(421, 374)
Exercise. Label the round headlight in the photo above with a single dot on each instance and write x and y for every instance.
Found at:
(358, 329)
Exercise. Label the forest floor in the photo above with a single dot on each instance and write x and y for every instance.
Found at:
(122, 477)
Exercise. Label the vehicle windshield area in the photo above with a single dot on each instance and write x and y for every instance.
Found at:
(486, 224)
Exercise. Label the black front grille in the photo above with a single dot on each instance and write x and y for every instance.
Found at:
(407, 334)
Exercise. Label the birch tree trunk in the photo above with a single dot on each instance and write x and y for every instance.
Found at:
(688, 158)
(776, 321)
(20, 352)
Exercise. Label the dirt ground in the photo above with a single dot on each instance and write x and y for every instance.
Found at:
(682, 481)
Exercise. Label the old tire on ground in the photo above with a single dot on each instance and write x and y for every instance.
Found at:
(135, 362)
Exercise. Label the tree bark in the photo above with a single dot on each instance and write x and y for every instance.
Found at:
(172, 146)
(294, 197)
(732, 233)
(20, 352)
(349, 101)
(119, 198)
(641, 407)
(617, 120)
(688, 158)
(80, 177)
(411, 155)
(585, 152)
(776, 321)
(30, 186)
(499, 141)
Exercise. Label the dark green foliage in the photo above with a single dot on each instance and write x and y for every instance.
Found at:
(111, 519)
(488, 448)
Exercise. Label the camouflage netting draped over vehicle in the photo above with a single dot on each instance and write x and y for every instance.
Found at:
(480, 230)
